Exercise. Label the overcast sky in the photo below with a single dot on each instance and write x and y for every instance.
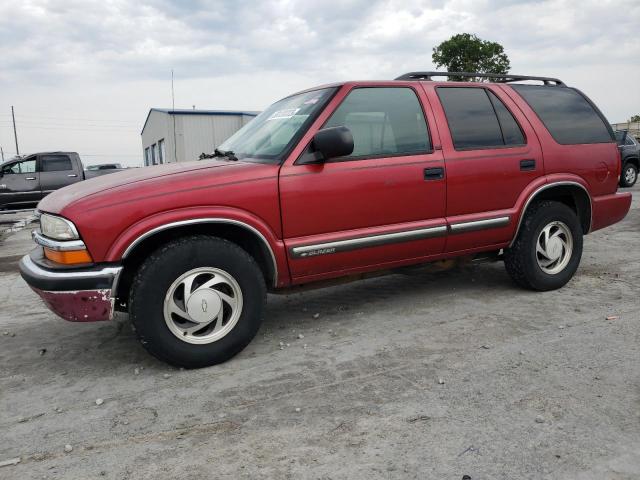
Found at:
(83, 74)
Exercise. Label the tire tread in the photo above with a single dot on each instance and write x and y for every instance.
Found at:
(156, 256)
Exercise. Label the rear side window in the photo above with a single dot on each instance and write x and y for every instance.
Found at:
(511, 133)
(567, 114)
(478, 119)
(55, 163)
(383, 121)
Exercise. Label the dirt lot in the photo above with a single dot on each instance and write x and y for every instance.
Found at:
(430, 376)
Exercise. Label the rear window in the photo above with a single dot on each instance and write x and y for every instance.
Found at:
(511, 132)
(478, 119)
(56, 163)
(567, 114)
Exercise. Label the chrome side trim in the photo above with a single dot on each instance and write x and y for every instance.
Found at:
(194, 221)
(479, 224)
(108, 273)
(544, 187)
(363, 242)
(59, 246)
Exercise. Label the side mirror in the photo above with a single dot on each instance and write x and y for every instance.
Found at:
(330, 143)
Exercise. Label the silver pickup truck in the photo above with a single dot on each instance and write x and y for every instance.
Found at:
(24, 181)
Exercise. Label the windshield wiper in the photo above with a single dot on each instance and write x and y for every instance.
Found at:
(219, 153)
(227, 153)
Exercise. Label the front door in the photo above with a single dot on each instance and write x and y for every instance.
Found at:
(492, 155)
(382, 205)
(19, 183)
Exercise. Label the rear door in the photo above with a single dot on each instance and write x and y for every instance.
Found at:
(383, 204)
(20, 183)
(492, 154)
(56, 171)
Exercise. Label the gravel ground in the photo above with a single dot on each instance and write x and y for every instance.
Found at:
(431, 376)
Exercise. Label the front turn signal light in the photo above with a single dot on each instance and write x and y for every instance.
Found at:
(68, 257)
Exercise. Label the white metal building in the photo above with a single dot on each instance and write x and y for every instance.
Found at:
(182, 135)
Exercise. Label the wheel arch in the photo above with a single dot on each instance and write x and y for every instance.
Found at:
(244, 235)
(572, 194)
(633, 160)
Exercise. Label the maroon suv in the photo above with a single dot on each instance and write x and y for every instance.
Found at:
(335, 181)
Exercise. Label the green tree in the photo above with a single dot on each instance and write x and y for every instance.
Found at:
(466, 52)
(635, 118)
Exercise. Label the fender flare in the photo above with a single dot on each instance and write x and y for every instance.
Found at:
(546, 186)
(137, 233)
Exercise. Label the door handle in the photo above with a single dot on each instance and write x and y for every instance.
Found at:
(528, 164)
(72, 175)
(30, 178)
(435, 173)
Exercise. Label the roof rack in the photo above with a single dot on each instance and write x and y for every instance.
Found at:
(497, 77)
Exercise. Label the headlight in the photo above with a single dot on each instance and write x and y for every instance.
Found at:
(57, 228)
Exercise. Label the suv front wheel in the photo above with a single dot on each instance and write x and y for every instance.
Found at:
(197, 301)
(548, 248)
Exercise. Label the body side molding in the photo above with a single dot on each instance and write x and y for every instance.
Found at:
(370, 241)
(484, 224)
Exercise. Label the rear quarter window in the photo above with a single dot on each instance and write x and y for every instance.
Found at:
(478, 119)
(570, 118)
(56, 163)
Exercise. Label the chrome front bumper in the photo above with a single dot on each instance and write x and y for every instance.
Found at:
(77, 295)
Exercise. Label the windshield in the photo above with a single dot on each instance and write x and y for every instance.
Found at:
(270, 134)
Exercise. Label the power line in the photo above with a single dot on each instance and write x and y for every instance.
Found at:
(73, 118)
(78, 124)
(90, 129)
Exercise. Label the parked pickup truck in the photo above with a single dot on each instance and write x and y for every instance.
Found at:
(336, 182)
(26, 181)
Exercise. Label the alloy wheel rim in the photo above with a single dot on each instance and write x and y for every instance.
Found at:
(630, 175)
(554, 247)
(203, 305)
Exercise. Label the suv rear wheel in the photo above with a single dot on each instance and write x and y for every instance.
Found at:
(629, 175)
(197, 301)
(548, 248)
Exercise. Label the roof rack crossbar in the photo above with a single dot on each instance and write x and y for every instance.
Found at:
(497, 77)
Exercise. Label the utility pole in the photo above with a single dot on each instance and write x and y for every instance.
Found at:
(15, 134)
(173, 116)
(2, 153)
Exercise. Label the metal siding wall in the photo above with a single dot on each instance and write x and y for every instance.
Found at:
(157, 128)
(246, 119)
(203, 133)
(195, 134)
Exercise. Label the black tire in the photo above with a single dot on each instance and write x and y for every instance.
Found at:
(521, 259)
(156, 275)
(629, 170)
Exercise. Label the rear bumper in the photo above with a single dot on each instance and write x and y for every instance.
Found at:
(77, 295)
(609, 209)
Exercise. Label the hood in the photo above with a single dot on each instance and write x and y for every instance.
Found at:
(136, 179)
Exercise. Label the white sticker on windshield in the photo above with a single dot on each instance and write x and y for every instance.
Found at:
(311, 101)
(282, 114)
